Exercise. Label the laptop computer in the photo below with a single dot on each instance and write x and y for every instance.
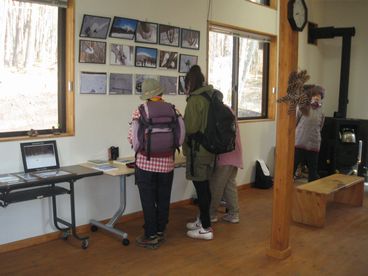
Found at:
(40, 159)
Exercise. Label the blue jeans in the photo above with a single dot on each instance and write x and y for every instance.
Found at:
(155, 192)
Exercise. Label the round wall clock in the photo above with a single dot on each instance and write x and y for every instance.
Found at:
(297, 14)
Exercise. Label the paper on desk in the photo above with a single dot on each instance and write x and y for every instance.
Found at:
(105, 168)
(9, 179)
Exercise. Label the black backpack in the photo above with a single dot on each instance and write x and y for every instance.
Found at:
(220, 132)
(262, 180)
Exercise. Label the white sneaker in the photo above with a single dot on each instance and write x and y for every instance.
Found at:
(204, 234)
(194, 225)
(214, 219)
(233, 218)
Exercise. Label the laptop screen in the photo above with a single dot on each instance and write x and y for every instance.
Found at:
(40, 155)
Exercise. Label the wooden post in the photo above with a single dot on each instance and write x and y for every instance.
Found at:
(285, 136)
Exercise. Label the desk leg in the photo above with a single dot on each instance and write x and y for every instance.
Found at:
(110, 225)
(72, 225)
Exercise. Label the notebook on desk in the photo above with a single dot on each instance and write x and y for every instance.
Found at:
(41, 159)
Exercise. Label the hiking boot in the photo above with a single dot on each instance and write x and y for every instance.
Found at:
(204, 234)
(194, 225)
(232, 218)
(161, 237)
(148, 242)
(214, 219)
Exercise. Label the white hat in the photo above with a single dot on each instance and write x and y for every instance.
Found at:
(151, 88)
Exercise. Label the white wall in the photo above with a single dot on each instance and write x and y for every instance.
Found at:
(102, 120)
(323, 61)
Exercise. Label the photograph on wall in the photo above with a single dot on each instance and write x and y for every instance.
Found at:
(189, 39)
(169, 84)
(139, 78)
(121, 55)
(93, 83)
(123, 28)
(92, 51)
(146, 32)
(187, 61)
(168, 60)
(145, 57)
(181, 88)
(169, 35)
(121, 84)
(95, 26)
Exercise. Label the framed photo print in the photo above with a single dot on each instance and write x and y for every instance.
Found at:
(95, 26)
(121, 55)
(145, 57)
(146, 32)
(169, 84)
(181, 88)
(189, 39)
(93, 83)
(92, 51)
(123, 28)
(169, 35)
(168, 60)
(187, 61)
(139, 80)
(121, 84)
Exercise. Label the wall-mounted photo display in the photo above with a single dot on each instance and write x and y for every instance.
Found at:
(123, 28)
(189, 39)
(95, 26)
(121, 84)
(187, 61)
(139, 78)
(181, 85)
(146, 32)
(121, 55)
(145, 57)
(168, 60)
(93, 83)
(169, 35)
(169, 84)
(92, 51)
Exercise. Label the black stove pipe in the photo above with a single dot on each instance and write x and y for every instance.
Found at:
(346, 34)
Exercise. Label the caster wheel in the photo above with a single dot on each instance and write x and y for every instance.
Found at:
(125, 242)
(65, 236)
(94, 228)
(84, 244)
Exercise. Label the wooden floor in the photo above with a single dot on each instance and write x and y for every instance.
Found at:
(340, 248)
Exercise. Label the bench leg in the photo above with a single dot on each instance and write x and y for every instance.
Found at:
(352, 195)
(309, 208)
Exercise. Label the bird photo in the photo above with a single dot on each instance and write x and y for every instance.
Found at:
(95, 26)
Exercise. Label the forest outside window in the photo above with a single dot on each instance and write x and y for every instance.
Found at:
(35, 67)
(238, 65)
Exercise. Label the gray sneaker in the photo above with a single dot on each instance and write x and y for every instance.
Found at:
(148, 242)
(161, 237)
(232, 218)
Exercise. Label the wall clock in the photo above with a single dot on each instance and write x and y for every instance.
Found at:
(297, 14)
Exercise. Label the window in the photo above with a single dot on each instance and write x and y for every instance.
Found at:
(239, 66)
(35, 67)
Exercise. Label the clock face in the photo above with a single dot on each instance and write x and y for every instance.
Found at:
(299, 13)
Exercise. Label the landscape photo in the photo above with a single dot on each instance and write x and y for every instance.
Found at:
(123, 28)
(145, 57)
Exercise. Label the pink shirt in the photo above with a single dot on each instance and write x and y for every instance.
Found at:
(235, 157)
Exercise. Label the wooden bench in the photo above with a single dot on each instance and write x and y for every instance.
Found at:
(310, 200)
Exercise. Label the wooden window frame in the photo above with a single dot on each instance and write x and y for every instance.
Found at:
(66, 84)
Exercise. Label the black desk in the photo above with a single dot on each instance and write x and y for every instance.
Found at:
(47, 187)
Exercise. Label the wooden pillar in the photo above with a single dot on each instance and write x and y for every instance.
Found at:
(285, 135)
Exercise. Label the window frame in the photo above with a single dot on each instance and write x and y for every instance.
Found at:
(66, 107)
(269, 75)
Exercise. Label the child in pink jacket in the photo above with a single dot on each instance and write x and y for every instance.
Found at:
(223, 184)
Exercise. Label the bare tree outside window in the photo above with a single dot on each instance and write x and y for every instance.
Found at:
(28, 66)
(237, 67)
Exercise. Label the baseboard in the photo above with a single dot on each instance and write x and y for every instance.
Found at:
(82, 229)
